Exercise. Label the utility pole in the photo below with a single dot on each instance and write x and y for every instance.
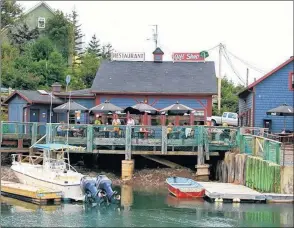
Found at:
(155, 35)
(247, 77)
(219, 79)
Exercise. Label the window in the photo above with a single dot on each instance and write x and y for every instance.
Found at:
(224, 115)
(291, 81)
(41, 22)
(232, 116)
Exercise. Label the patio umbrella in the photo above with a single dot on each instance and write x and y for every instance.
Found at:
(70, 106)
(146, 108)
(282, 110)
(177, 108)
(143, 107)
(106, 107)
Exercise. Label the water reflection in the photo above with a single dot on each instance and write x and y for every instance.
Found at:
(146, 209)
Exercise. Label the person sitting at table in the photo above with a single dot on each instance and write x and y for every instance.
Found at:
(98, 120)
(78, 130)
(116, 122)
(60, 131)
(169, 129)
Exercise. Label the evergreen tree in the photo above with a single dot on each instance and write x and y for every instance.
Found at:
(107, 50)
(23, 35)
(77, 38)
(10, 11)
(94, 47)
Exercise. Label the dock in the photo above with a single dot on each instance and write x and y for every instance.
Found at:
(231, 192)
(30, 193)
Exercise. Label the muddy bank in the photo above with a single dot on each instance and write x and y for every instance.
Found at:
(142, 179)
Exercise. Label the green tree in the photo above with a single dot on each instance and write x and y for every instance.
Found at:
(107, 50)
(94, 47)
(89, 68)
(10, 11)
(42, 49)
(229, 98)
(59, 31)
(77, 37)
(23, 35)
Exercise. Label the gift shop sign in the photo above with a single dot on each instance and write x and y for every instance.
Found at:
(128, 56)
(187, 57)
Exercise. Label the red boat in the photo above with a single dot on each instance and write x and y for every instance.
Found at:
(182, 187)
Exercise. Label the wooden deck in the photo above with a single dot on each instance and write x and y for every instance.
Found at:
(29, 193)
(231, 192)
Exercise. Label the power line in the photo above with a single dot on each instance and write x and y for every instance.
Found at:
(231, 64)
(246, 63)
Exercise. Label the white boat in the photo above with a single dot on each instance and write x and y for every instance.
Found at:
(48, 166)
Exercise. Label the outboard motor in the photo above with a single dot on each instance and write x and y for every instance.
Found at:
(92, 193)
(104, 183)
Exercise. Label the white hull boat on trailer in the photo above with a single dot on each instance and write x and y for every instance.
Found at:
(50, 168)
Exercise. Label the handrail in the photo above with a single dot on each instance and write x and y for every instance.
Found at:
(38, 141)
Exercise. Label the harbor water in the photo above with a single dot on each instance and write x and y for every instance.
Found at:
(146, 209)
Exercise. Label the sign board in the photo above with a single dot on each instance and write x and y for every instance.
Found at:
(67, 79)
(128, 56)
(187, 57)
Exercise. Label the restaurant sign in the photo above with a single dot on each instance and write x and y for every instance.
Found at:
(187, 57)
(128, 56)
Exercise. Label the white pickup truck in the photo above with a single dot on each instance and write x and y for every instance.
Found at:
(229, 118)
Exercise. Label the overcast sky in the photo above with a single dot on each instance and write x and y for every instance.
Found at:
(260, 33)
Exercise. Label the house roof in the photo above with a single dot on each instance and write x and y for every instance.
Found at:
(38, 5)
(80, 93)
(32, 96)
(29, 11)
(155, 78)
(267, 75)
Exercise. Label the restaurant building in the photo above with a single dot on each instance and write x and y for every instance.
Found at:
(128, 80)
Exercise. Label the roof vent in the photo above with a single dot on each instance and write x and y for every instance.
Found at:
(43, 92)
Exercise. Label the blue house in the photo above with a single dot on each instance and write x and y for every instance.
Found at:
(34, 106)
(270, 91)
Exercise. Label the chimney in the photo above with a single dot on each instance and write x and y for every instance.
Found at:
(157, 55)
(56, 87)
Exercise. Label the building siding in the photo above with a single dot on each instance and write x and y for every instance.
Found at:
(31, 19)
(15, 109)
(270, 93)
(245, 105)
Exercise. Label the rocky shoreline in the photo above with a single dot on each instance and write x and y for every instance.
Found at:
(142, 179)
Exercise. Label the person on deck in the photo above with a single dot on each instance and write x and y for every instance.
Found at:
(131, 122)
(116, 122)
(98, 121)
(60, 131)
(169, 129)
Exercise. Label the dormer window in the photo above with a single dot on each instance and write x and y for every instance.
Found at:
(41, 22)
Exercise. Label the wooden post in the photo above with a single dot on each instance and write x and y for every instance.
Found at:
(164, 140)
(89, 138)
(48, 133)
(128, 146)
(34, 133)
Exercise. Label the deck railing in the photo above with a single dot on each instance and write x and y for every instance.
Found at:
(107, 138)
(268, 149)
(22, 130)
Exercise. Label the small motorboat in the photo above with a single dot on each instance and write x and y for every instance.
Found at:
(182, 187)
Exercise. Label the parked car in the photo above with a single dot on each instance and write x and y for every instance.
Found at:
(230, 118)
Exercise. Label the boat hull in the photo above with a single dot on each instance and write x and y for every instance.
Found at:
(179, 193)
(70, 191)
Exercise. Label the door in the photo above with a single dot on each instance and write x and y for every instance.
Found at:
(34, 115)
